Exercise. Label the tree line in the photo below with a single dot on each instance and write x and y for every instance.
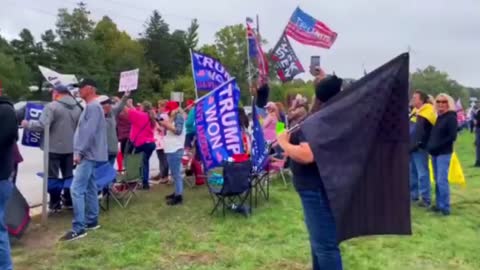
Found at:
(98, 49)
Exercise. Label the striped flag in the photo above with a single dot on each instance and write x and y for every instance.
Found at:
(308, 30)
(256, 51)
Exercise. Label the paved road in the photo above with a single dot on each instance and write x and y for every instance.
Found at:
(31, 185)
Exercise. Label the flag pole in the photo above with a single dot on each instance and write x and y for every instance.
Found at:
(193, 74)
(248, 59)
(46, 147)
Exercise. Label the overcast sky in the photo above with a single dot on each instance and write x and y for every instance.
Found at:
(442, 33)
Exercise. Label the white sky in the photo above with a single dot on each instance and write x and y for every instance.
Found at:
(442, 33)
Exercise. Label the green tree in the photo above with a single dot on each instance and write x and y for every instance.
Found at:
(14, 75)
(191, 38)
(231, 46)
(75, 25)
(33, 54)
(434, 82)
(168, 52)
(122, 53)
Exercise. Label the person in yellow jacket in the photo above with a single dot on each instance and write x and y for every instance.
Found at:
(440, 147)
(419, 136)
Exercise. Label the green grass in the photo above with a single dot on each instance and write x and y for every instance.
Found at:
(150, 235)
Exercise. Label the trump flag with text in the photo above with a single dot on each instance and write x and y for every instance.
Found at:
(219, 135)
(286, 61)
(32, 112)
(208, 72)
(310, 31)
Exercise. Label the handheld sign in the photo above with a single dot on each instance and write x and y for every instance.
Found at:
(32, 112)
(128, 80)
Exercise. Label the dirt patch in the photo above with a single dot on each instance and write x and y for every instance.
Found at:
(38, 236)
(203, 258)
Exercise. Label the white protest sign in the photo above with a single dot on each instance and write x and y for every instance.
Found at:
(177, 96)
(128, 80)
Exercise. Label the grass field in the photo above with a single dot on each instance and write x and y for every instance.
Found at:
(150, 235)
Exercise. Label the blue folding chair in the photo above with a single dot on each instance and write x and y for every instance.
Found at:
(105, 176)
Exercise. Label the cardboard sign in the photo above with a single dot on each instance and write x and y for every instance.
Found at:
(128, 80)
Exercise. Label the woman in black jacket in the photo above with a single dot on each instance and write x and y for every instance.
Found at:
(440, 146)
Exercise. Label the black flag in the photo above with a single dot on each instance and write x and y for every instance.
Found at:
(286, 61)
(360, 143)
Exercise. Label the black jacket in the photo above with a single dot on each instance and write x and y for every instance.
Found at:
(8, 137)
(421, 134)
(444, 134)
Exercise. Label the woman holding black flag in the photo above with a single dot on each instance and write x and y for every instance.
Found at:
(306, 177)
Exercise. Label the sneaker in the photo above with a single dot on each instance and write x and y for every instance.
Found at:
(434, 209)
(92, 227)
(71, 235)
(169, 197)
(175, 200)
(145, 187)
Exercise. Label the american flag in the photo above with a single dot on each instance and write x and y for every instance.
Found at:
(307, 30)
(254, 41)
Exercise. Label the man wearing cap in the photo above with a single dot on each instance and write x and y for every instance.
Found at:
(90, 150)
(111, 113)
(62, 116)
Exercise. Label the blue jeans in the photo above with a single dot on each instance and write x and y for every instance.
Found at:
(147, 150)
(84, 196)
(420, 176)
(174, 161)
(322, 231)
(112, 159)
(441, 166)
(6, 188)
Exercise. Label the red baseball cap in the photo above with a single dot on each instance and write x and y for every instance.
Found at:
(171, 106)
(190, 102)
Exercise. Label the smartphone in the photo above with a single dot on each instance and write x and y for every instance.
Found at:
(314, 64)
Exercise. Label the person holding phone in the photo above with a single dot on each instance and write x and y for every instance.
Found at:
(174, 148)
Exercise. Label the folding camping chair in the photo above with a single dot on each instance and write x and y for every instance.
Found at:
(128, 181)
(235, 189)
(104, 176)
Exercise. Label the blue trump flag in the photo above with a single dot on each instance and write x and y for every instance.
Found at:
(208, 72)
(32, 112)
(259, 144)
(219, 135)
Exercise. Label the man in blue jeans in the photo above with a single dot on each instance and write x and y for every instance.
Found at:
(90, 149)
(419, 136)
(8, 138)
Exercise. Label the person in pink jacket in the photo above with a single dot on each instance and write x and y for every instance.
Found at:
(270, 122)
(143, 124)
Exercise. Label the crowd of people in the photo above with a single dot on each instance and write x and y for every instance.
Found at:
(433, 130)
(107, 129)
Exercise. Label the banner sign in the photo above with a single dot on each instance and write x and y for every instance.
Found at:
(310, 31)
(32, 112)
(208, 72)
(55, 78)
(286, 61)
(219, 135)
(128, 80)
